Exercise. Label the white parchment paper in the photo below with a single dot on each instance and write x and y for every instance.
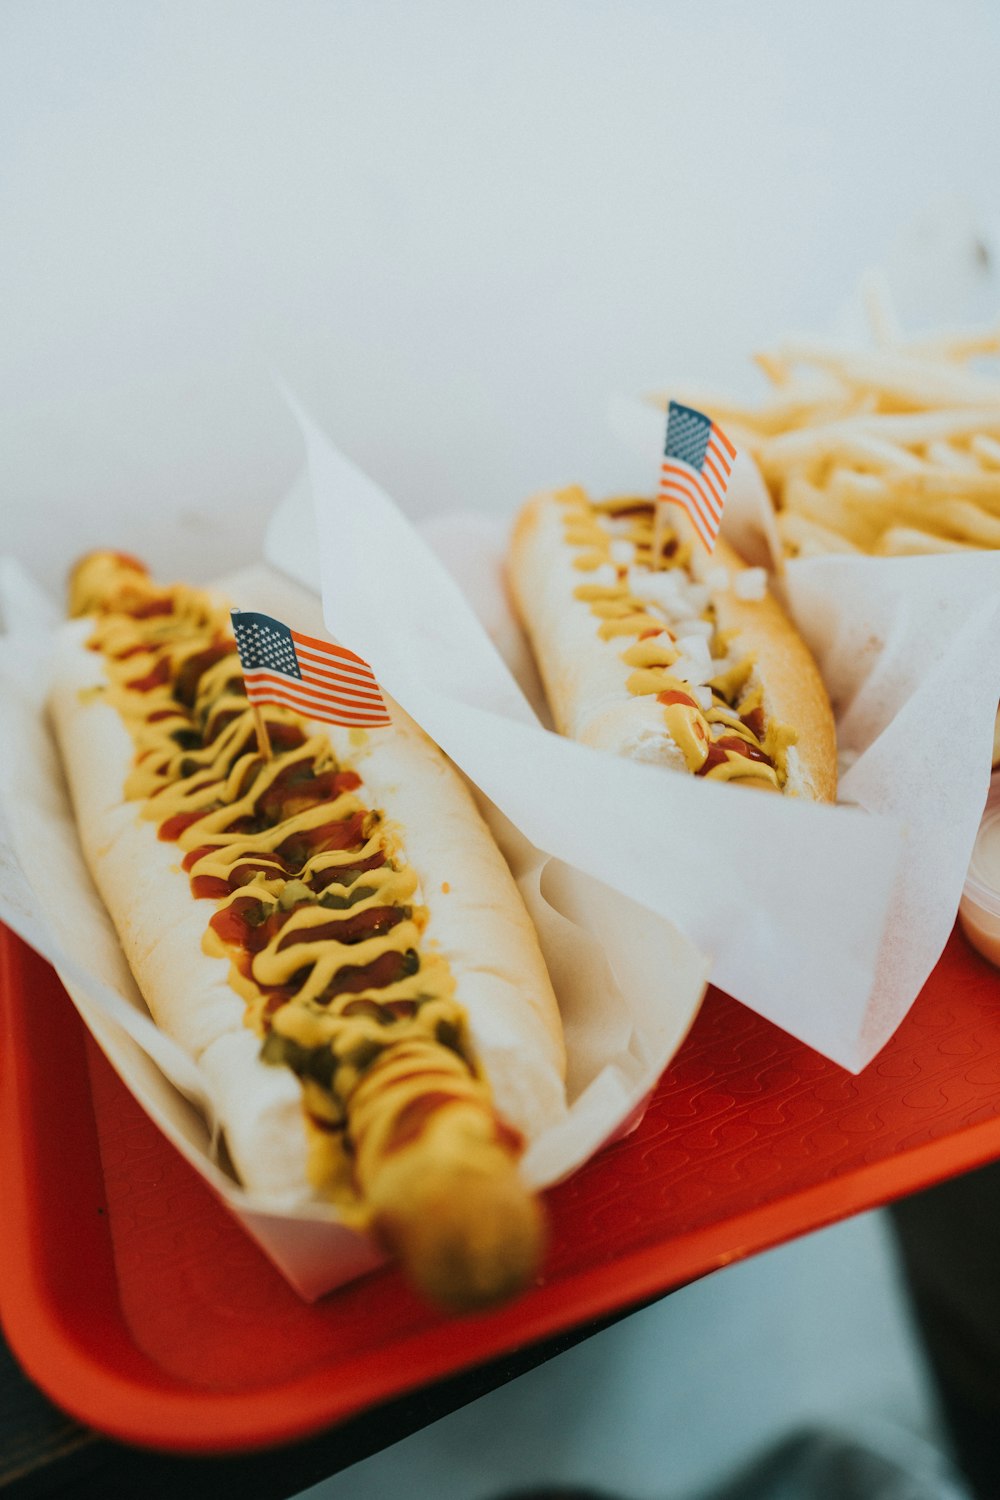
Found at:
(909, 648)
(825, 920)
(628, 983)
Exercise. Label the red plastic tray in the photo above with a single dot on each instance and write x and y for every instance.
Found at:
(135, 1301)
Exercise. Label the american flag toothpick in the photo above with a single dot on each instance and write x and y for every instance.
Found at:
(697, 461)
(313, 677)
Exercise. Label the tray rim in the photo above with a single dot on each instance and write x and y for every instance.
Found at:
(120, 1391)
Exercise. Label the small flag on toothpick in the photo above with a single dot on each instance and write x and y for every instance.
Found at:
(697, 461)
(313, 677)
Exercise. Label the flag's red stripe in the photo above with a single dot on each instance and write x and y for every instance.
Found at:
(718, 432)
(692, 499)
(331, 672)
(671, 490)
(327, 649)
(359, 718)
(352, 689)
(328, 715)
(345, 679)
(327, 711)
(302, 685)
(322, 684)
(676, 500)
(301, 700)
(675, 464)
(346, 663)
(714, 452)
(717, 499)
(713, 501)
(697, 483)
(310, 695)
(720, 482)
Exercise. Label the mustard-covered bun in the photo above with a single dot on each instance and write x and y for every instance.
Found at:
(690, 664)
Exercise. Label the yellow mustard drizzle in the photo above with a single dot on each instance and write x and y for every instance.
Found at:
(196, 758)
(653, 651)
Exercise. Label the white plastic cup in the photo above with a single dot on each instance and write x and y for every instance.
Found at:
(979, 908)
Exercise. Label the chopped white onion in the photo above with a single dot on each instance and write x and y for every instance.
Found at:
(696, 647)
(703, 628)
(751, 584)
(694, 664)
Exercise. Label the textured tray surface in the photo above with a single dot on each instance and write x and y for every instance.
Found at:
(138, 1304)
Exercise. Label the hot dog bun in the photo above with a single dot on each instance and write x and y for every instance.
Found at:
(427, 1149)
(586, 593)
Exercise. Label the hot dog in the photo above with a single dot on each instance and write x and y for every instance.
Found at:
(679, 659)
(332, 934)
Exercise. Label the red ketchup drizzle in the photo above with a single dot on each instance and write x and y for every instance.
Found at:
(640, 508)
(128, 561)
(243, 871)
(154, 679)
(236, 927)
(129, 651)
(233, 926)
(371, 922)
(508, 1138)
(214, 888)
(402, 1010)
(294, 852)
(286, 736)
(409, 1124)
(192, 670)
(151, 607)
(298, 787)
(672, 695)
(320, 879)
(754, 721)
(296, 849)
(717, 753)
(173, 827)
(387, 969)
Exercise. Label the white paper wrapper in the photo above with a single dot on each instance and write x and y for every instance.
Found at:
(628, 983)
(909, 649)
(788, 897)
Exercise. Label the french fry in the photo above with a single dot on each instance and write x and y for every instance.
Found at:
(956, 345)
(982, 485)
(914, 429)
(809, 538)
(866, 505)
(844, 441)
(986, 449)
(947, 456)
(879, 309)
(900, 378)
(901, 456)
(859, 522)
(776, 371)
(892, 450)
(909, 541)
(819, 399)
(966, 522)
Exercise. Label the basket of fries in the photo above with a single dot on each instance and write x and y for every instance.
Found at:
(890, 450)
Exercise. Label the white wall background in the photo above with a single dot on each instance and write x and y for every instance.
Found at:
(455, 226)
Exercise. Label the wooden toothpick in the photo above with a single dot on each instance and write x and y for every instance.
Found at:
(263, 738)
(659, 527)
